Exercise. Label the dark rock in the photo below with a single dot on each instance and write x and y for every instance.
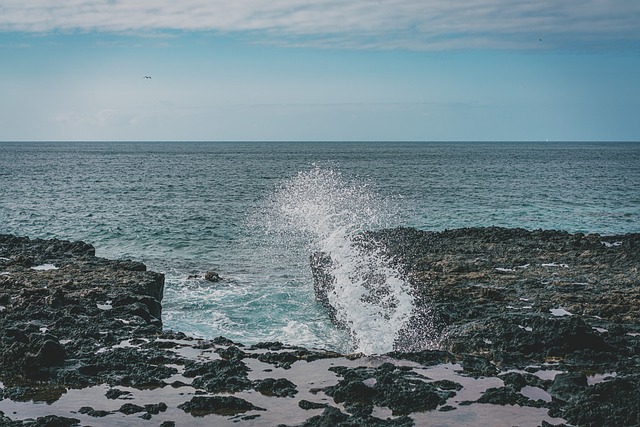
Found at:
(424, 357)
(231, 353)
(131, 265)
(279, 360)
(465, 276)
(16, 335)
(333, 417)
(270, 345)
(51, 353)
(401, 390)
(358, 409)
(219, 375)
(306, 405)
(352, 392)
(130, 408)
(212, 276)
(33, 391)
(323, 282)
(55, 421)
(143, 306)
(502, 396)
(483, 296)
(225, 341)
(88, 410)
(611, 403)
(155, 408)
(478, 366)
(280, 387)
(200, 406)
(330, 417)
(517, 380)
(127, 366)
(43, 308)
(249, 417)
(221, 367)
(568, 385)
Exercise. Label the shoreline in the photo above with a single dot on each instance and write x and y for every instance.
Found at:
(82, 342)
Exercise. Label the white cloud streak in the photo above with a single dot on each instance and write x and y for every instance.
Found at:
(386, 24)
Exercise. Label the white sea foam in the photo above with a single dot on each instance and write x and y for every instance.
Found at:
(369, 294)
(106, 306)
(44, 267)
(298, 332)
(555, 264)
(560, 312)
(611, 244)
(250, 309)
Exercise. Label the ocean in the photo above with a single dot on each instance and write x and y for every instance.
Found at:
(255, 212)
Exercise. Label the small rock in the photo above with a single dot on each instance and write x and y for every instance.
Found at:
(330, 417)
(280, 387)
(306, 405)
(130, 408)
(567, 385)
(221, 405)
(212, 276)
(88, 410)
(478, 366)
(155, 408)
(55, 421)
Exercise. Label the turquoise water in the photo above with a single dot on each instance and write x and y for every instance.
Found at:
(255, 211)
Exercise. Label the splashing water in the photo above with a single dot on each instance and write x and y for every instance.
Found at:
(369, 296)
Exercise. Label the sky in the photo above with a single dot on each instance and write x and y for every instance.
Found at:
(320, 70)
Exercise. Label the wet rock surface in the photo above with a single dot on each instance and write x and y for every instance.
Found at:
(532, 328)
(511, 300)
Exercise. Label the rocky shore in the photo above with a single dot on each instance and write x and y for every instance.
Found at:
(532, 329)
(555, 316)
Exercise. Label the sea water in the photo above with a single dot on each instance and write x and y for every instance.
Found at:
(255, 212)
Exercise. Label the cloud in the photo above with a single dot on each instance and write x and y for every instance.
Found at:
(386, 24)
(102, 118)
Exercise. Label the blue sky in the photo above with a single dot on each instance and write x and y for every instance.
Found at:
(319, 70)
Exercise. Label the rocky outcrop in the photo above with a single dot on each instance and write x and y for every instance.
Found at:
(61, 303)
(515, 298)
(537, 328)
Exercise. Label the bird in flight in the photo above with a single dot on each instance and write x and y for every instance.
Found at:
(147, 77)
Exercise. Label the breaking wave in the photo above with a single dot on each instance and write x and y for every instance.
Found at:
(328, 213)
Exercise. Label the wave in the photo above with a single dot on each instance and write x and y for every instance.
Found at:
(327, 211)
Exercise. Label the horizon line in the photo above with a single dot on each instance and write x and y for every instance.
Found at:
(230, 141)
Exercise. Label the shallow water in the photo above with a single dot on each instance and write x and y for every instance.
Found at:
(255, 211)
(309, 378)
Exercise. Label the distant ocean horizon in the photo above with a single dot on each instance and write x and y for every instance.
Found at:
(255, 211)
